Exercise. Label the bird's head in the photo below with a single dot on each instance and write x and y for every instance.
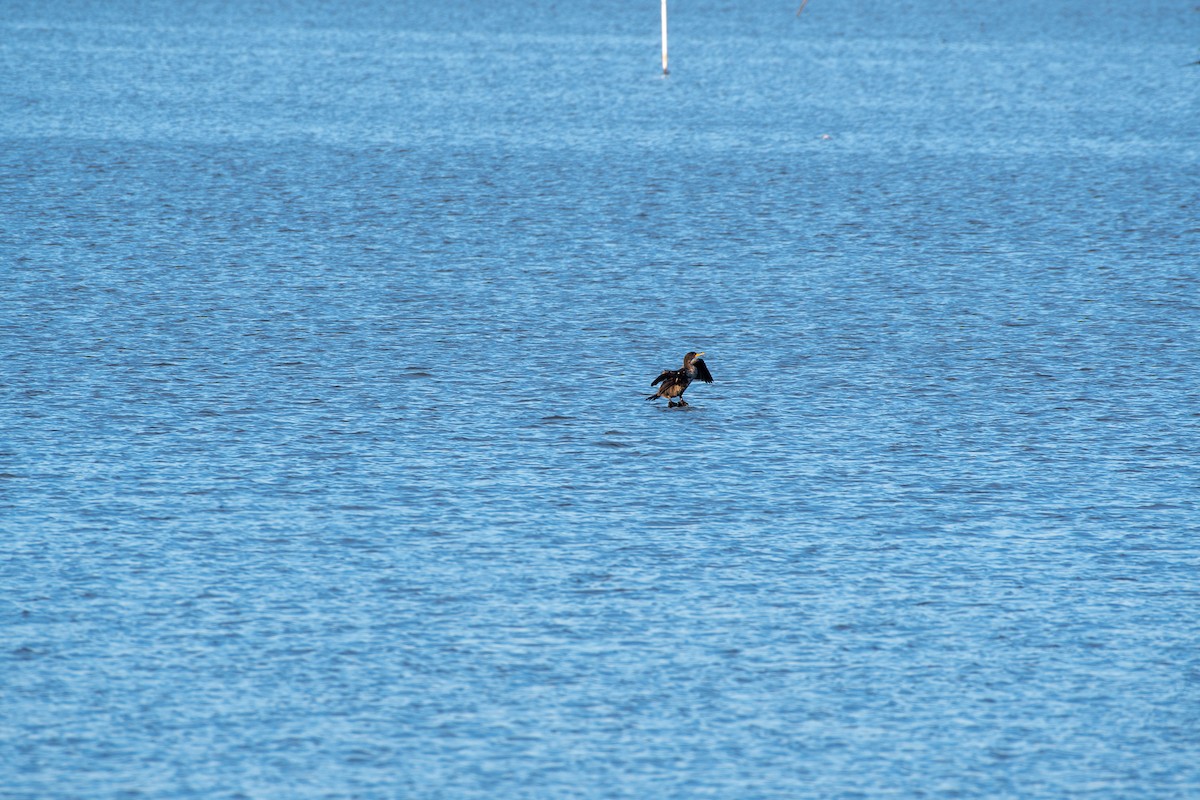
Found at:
(690, 357)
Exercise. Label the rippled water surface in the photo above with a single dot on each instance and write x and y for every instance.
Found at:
(325, 468)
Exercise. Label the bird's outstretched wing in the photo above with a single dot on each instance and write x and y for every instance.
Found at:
(701, 371)
(667, 373)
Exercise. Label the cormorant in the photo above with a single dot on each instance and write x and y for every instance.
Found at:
(675, 381)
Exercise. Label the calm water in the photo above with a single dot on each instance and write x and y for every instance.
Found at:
(325, 469)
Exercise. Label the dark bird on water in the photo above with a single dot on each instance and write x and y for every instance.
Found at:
(675, 381)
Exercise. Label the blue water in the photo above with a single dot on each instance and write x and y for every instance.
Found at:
(325, 468)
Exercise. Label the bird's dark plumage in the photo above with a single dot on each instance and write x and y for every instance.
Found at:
(674, 382)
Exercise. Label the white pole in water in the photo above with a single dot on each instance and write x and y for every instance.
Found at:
(664, 29)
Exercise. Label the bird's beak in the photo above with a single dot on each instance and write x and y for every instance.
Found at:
(699, 354)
